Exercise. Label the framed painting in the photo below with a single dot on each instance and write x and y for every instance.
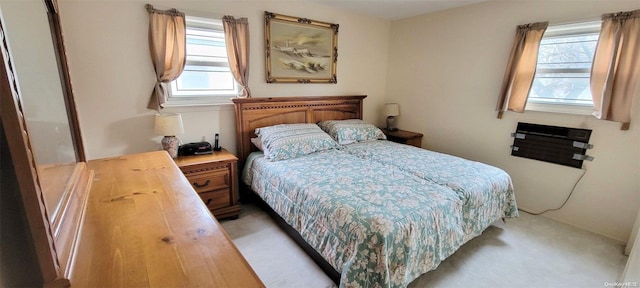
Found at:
(300, 50)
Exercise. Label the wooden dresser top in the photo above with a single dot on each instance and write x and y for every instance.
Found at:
(145, 226)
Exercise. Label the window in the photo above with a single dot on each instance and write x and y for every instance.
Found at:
(561, 82)
(206, 78)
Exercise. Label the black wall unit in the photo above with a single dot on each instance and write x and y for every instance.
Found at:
(559, 145)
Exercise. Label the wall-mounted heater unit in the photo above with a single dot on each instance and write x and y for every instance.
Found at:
(559, 145)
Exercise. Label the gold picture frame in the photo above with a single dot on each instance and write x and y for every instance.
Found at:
(300, 50)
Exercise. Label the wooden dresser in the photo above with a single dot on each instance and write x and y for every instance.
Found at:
(145, 226)
(214, 177)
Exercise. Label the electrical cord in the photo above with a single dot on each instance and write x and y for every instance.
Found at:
(565, 200)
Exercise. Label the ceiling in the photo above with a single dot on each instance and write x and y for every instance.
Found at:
(395, 9)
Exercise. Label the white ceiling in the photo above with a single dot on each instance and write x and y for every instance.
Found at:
(395, 9)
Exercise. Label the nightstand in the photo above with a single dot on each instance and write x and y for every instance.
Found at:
(404, 137)
(215, 178)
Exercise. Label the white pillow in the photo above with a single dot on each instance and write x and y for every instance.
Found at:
(257, 142)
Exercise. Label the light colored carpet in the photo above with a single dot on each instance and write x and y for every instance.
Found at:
(531, 251)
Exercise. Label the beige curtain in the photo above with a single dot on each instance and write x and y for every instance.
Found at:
(168, 45)
(236, 35)
(616, 67)
(521, 68)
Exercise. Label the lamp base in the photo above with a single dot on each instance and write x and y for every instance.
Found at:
(170, 144)
(391, 123)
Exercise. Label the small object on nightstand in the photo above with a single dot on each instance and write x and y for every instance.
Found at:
(215, 179)
(169, 125)
(196, 148)
(404, 137)
(216, 145)
(391, 110)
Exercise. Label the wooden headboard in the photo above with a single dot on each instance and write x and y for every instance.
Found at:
(252, 113)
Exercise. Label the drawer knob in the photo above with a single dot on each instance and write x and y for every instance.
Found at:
(195, 184)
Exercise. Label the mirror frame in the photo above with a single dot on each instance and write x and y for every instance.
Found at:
(65, 79)
(54, 240)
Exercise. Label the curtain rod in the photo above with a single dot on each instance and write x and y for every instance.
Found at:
(172, 11)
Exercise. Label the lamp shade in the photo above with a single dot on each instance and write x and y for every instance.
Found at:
(391, 109)
(168, 124)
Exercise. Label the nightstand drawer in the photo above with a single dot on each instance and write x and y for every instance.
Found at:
(212, 180)
(216, 199)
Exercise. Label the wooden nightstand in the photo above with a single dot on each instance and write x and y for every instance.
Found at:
(215, 178)
(404, 137)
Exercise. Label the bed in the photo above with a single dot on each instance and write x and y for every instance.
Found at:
(486, 191)
(367, 221)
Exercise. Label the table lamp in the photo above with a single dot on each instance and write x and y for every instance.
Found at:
(169, 125)
(391, 110)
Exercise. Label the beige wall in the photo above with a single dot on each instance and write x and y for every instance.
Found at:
(631, 271)
(635, 232)
(445, 70)
(113, 76)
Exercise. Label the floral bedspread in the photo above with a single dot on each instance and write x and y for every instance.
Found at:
(377, 225)
(486, 191)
